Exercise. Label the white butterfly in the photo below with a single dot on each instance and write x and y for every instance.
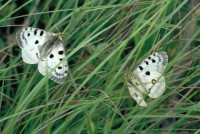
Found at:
(45, 49)
(147, 78)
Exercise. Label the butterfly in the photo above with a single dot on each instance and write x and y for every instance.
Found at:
(45, 49)
(147, 78)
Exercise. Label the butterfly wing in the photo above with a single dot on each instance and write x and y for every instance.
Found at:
(150, 73)
(137, 96)
(154, 84)
(155, 63)
(136, 90)
(31, 40)
(47, 64)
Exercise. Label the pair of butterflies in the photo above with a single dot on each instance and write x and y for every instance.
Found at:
(47, 50)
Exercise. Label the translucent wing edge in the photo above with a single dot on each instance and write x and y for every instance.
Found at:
(136, 90)
(42, 67)
(165, 58)
(18, 35)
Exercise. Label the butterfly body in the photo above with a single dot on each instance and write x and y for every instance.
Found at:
(45, 49)
(147, 78)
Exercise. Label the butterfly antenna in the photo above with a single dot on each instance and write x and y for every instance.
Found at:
(60, 32)
(56, 29)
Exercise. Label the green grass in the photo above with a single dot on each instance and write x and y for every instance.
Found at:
(102, 39)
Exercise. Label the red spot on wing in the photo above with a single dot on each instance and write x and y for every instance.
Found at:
(153, 81)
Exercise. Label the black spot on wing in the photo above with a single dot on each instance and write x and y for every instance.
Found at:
(28, 34)
(130, 83)
(41, 33)
(35, 32)
(136, 95)
(56, 73)
(51, 56)
(147, 73)
(59, 67)
(60, 52)
(153, 61)
(147, 63)
(140, 67)
(136, 84)
(36, 42)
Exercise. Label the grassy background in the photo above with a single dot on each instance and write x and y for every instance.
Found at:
(102, 39)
